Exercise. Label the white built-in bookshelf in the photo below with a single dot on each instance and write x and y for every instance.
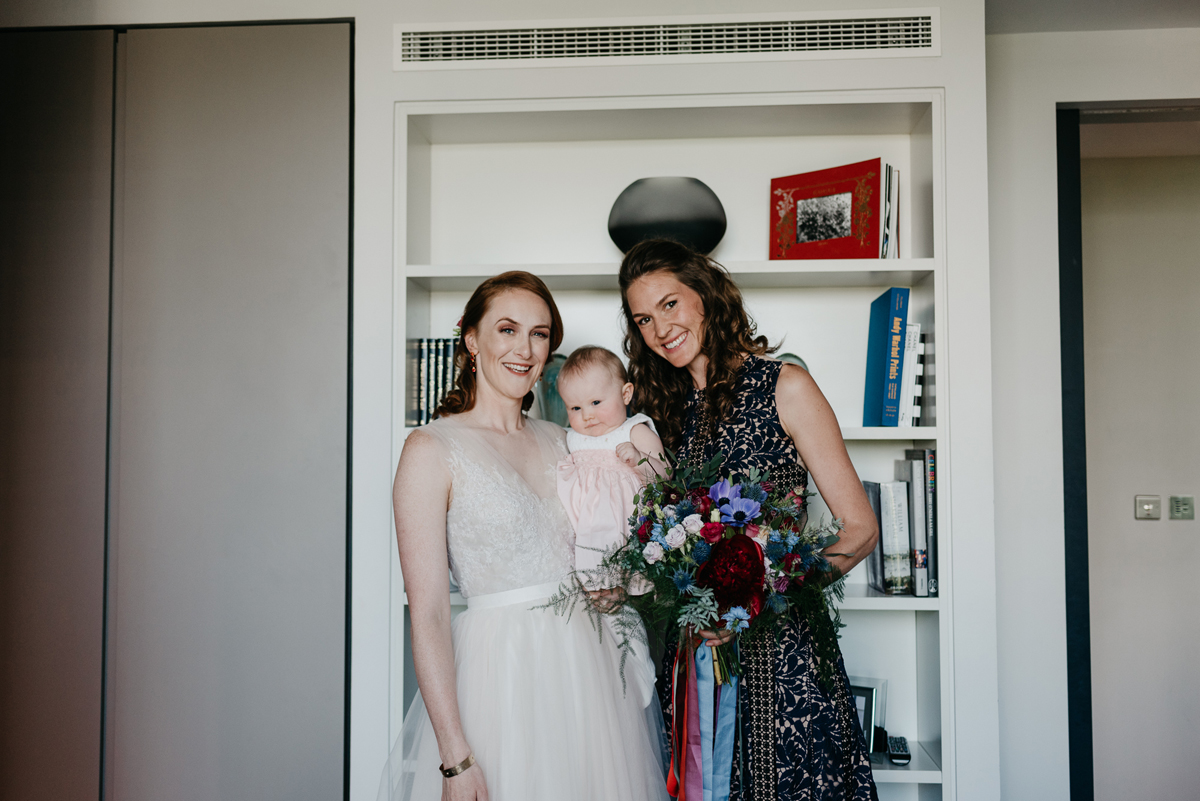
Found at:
(487, 186)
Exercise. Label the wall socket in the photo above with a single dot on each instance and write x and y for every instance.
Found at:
(1181, 507)
(1147, 507)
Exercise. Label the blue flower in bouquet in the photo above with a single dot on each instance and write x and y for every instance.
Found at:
(723, 492)
(737, 619)
(656, 530)
(684, 508)
(775, 550)
(754, 492)
(777, 603)
(682, 579)
(739, 511)
(792, 539)
(701, 551)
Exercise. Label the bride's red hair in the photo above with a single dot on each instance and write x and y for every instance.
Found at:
(462, 397)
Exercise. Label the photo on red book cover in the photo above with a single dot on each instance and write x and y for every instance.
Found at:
(838, 213)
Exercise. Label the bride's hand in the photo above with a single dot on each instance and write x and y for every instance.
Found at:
(607, 600)
(466, 786)
(714, 638)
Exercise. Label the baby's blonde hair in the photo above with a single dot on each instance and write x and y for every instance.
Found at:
(593, 356)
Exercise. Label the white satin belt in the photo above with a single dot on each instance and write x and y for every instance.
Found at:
(493, 600)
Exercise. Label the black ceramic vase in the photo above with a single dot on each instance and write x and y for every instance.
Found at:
(683, 209)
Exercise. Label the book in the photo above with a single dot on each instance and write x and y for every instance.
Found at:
(875, 560)
(422, 381)
(928, 380)
(890, 240)
(412, 394)
(912, 473)
(893, 534)
(912, 342)
(929, 458)
(846, 212)
(885, 362)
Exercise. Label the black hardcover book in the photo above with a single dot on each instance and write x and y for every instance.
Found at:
(422, 381)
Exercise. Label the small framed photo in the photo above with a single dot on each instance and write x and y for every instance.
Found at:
(870, 703)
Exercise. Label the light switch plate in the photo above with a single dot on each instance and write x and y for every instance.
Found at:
(1147, 507)
(1181, 507)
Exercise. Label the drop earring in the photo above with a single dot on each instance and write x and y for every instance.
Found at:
(472, 362)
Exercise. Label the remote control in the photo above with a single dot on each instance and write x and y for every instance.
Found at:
(898, 751)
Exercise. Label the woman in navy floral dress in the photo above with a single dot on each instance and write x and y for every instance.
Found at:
(701, 373)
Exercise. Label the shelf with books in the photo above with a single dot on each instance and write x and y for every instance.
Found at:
(749, 274)
(889, 433)
(486, 187)
(861, 597)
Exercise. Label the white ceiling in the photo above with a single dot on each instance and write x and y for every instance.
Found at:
(1026, 16)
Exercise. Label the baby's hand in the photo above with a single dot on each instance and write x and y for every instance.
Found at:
(629, 454)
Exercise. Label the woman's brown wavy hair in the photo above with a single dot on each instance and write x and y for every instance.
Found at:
(660, 390)
(462, 397)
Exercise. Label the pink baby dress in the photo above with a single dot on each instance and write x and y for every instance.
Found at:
(597, 490)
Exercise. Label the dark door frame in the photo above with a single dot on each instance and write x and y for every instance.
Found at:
(1074, 432)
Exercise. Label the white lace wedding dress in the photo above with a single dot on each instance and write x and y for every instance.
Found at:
(539, 694)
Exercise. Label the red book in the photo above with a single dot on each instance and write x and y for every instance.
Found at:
(839, 213)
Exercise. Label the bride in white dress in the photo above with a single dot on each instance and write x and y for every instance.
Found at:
(518, 703)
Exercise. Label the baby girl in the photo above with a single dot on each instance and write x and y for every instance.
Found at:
(611, 458)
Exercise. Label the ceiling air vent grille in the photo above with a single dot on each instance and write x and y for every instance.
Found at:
(695, 41)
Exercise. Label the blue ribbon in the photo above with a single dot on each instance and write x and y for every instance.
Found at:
(705, 681)
(722, 757)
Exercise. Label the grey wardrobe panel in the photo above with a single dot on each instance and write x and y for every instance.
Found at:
(227, 637)
(55, 179)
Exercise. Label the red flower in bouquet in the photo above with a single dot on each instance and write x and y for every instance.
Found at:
(735, 573)
(792, 563)
(643, 532)
(713, 532)
(701, 501)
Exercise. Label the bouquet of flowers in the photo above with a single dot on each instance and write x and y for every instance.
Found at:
(728, 552)
(708, 551)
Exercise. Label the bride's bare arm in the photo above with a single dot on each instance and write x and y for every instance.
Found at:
(420, 497)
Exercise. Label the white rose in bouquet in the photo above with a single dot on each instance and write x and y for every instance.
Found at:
(653, 552)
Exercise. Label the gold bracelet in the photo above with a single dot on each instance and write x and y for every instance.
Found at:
(459, 768)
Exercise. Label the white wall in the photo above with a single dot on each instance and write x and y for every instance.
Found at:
(960, 70)
(1027, 75)
(1141, 290)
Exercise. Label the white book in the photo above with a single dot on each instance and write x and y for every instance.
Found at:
(894, 217)
(889, 212)
(908, 374)
(894, 523)
(913, 473)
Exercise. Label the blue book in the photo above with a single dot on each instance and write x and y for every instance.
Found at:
(885, 358)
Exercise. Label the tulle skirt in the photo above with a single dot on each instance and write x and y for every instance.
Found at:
(544, 708)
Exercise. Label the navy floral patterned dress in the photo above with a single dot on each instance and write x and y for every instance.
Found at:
(797, 742)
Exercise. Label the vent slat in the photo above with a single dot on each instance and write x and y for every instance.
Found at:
(881, 33)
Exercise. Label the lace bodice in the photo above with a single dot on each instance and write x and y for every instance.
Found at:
(504, 530)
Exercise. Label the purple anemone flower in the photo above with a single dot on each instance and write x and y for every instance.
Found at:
(739, 511)
(723, 492)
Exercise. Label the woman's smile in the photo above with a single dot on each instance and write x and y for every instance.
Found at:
(676, 342)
